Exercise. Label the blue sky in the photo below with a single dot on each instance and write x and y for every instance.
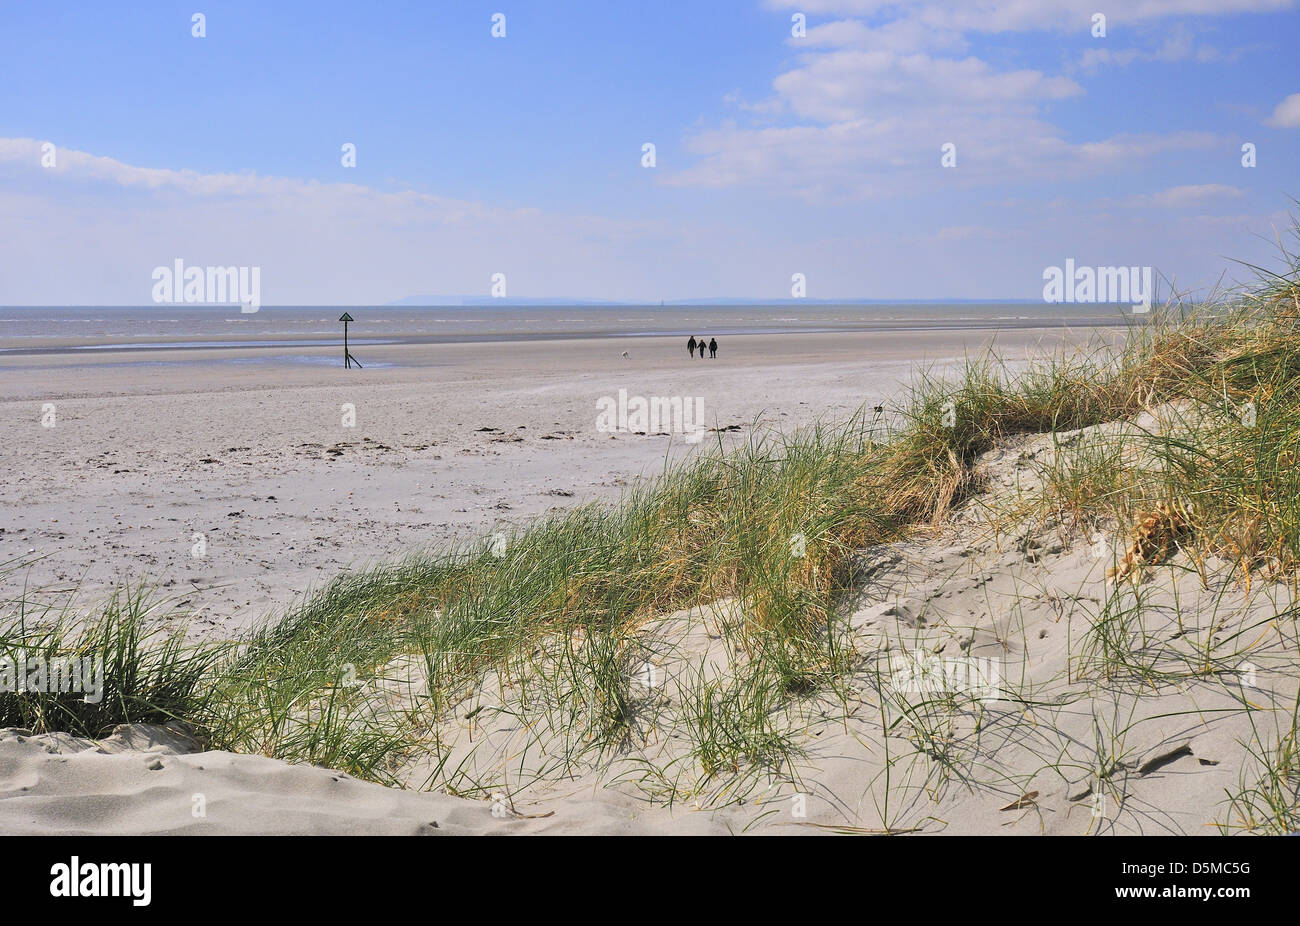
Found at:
(522, 155)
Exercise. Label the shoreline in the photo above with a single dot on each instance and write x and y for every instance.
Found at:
(70, 346)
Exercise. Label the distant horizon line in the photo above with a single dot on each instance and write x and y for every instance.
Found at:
(553, 303)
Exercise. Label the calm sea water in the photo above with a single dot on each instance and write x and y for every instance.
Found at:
(59, 329)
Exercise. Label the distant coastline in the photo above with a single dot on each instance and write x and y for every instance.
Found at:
(436, 301)
(84, 330)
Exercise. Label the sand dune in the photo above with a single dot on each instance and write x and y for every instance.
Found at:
(143, 780)
(1057, 748)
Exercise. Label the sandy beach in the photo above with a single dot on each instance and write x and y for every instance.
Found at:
(1018, 603)
(244, 459)
(233, 485)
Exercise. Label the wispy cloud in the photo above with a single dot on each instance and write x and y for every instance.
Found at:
(316, 242)
(996, 16)
(72, 166)
(1287, 113)
(1177, 43)
(1183, 197)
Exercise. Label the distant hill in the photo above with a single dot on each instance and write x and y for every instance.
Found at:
(426, 299)
(470, 301)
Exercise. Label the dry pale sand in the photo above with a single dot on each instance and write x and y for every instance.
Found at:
(122, 481)
(449, 443)
(144, 780)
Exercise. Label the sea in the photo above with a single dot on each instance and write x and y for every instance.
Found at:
(76, 329)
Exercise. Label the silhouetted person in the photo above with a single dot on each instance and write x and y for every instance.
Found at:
(690, 346)
(701, 348)
(713, 347)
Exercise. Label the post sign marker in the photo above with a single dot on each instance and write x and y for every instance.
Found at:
(348, 359)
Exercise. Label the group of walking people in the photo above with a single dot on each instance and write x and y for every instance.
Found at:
(711, 347)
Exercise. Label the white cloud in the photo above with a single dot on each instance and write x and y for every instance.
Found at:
(881, 86)
(996, 16)
(1181, 197)
(900, 36)
(1287, 113)
(78, 166)
(866, 116)
(1179, 44)
(845, 85)
(869, 123)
